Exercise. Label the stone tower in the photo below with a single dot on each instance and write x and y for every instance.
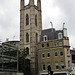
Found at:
(30, 30)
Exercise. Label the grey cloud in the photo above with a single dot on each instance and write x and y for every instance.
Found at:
(9, 19)
(68, 8)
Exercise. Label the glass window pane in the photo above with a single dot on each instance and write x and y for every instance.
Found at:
(27, 37)
(47, 44)
(67, 51)
(56, 53)
(61, 53)
(48, 63)
(43, 55)
(60, 43)
(68, 63)
(62, 64)
(45, 38)
(27, 19)
(36, 20)
(55, 44)
(42, 45)
(43, 66)
(59, 35)
(48, 54)
(56, 65)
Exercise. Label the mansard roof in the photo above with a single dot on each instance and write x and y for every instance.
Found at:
(51, 34)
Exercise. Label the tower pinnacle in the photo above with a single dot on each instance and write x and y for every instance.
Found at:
(31, 2)
(39, 4)
(21, 4)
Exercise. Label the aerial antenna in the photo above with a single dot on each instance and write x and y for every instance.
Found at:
(7, 39)
(51, 24)
(63, 24)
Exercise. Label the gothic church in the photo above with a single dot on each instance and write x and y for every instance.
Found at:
(30, 29)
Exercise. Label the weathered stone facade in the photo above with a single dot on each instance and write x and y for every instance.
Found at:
(55, 52)
(30, 30)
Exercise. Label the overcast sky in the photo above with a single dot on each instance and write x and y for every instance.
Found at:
(57, 11)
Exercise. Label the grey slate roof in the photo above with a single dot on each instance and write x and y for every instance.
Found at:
(51, 33)
(72, 52)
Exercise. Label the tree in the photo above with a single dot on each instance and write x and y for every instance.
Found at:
(24, 64)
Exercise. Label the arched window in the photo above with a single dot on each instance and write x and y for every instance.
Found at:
(36, 20)
(27, 50)
(59, 35)
(45, 38)
(27, 37)
(27, 19)
(36, 37)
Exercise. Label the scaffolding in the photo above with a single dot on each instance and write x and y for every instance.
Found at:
(8, 62)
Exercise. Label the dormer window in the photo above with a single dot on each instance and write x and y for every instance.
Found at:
(59, 35)
(45, 38)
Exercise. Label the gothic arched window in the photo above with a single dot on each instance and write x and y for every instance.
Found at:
(36, 37)
(27, 50)
(27, 37)
(27, 19)
(36, 20)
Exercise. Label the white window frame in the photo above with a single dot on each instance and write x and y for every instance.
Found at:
(60, 52)
(47, 54)
(56, 65)
(68, 63)
(59, 35)
(42, 67)
(47, 44)
(55, 44)
(67, 51)
(48, 64)
(60, 43)
(62, 64)
(42, 45)
(54, 53)
(45, 36)
(42, 55)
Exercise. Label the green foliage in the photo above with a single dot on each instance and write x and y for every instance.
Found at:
(24, 64)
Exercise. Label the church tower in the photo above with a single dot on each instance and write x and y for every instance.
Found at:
(30, 30)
